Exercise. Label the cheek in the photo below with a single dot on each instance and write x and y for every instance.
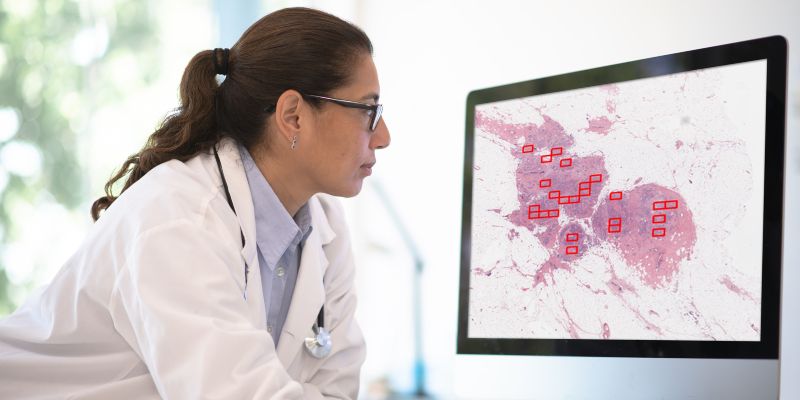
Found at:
(338, 158)
(340, 152)
(344, 144)
(350, 149)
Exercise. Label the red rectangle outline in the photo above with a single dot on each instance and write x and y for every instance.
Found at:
(665, 205)
(572, 249)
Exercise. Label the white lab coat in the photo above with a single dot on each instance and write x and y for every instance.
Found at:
(152, 304)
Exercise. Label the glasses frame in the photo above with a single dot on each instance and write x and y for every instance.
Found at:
(377, 109)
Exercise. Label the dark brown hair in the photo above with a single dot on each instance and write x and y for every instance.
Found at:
(294, 48)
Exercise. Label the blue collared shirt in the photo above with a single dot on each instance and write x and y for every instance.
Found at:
(280, 239)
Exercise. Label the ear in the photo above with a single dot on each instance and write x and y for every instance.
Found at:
(288, 112)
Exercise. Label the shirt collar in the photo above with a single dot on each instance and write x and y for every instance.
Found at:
(276, 231)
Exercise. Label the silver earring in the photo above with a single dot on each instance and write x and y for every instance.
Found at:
(294, 142)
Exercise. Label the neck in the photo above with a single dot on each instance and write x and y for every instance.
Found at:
(287, 184)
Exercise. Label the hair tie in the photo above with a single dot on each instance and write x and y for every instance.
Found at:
(221, 65)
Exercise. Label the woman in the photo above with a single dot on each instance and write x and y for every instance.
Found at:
(223, 263)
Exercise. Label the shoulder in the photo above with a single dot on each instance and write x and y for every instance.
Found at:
(175, 204)
(170, 192)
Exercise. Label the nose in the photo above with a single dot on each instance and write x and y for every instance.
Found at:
(381, 138)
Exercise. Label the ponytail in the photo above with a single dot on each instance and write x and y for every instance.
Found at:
(190, 130)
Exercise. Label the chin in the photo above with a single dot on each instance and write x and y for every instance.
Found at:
(350, 190)
(354, 191)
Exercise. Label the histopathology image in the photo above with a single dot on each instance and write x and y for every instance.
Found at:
(625, 211)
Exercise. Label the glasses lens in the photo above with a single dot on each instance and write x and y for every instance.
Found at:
(376, 117)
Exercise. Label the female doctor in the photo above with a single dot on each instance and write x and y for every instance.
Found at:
(223, 270)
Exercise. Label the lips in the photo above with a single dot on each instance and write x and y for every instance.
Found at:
(367, 168)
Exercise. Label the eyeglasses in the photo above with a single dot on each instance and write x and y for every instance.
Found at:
(377, 109)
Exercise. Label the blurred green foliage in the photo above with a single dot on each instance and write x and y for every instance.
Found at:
(57, 60)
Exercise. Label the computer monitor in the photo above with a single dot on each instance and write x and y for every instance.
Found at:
(622, 230)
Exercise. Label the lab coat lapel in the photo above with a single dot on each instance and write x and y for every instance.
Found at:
(308, 297)
(240, 193)
(243, 203)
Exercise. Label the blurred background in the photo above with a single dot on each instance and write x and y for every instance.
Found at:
(84, 82)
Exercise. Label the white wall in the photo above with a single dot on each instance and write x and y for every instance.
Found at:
(431, 54)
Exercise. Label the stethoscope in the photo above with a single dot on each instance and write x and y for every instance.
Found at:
(320, 345)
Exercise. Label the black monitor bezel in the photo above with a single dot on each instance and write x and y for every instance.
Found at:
(773, 49)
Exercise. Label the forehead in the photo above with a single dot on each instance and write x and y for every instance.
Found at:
(363, 83)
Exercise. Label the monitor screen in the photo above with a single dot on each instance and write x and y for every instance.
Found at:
(628, 210)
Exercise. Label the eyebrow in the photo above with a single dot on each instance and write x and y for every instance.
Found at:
(371, 96)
